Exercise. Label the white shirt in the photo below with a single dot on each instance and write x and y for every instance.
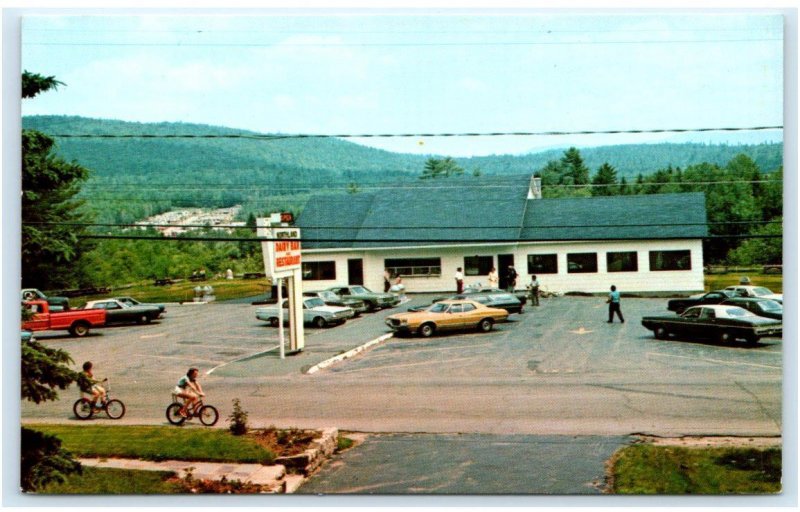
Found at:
(459, 276)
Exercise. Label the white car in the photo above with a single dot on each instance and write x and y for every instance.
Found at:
(315, 312)
(756, 291)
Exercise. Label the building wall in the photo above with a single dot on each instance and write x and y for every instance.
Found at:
(643, 280)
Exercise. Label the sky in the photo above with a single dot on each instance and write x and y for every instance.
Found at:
(437, 73)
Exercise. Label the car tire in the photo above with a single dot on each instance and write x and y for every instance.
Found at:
(427, 330)
(79, 329)
(485, 325)
(273, 322)
(661, 333)
(143, 319)
(372, 307)
(751, 339)
(726, 337)
(319, 322)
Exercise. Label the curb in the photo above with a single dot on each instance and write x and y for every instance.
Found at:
(350, 353)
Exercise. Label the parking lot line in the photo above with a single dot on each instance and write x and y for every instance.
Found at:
(716, 361)
(146, 336)
(242, 358)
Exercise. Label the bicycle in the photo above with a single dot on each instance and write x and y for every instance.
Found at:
(85, 409)
(207, 414)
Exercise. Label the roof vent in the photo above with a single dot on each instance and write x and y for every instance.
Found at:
(535, 192)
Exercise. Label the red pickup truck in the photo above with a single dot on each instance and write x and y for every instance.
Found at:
(76, 321)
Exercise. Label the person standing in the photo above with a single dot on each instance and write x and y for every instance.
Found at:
(512, 279)
(387, 280)
(534, 291)
(459, 280)
(493, 278)
(613, 305)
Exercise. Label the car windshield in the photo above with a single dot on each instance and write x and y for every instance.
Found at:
(503, 296)
(328, 296)
(737, 312)
(359, 290)
(314, 303)
(438, 308)
(770, 305)
(760, 291)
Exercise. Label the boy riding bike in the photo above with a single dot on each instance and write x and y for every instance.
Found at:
(89, 385)
(189, 389)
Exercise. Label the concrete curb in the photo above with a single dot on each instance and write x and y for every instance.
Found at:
(350, 353)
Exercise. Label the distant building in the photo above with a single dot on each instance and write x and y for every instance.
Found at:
(425, 231)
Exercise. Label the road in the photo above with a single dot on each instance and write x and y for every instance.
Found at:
(559, 369)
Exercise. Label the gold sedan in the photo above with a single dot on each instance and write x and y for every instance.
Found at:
(447, 315)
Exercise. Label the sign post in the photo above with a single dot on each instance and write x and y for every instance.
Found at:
(282, 262)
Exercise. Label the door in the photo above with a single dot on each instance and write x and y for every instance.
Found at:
(503, 261)
(355, 271)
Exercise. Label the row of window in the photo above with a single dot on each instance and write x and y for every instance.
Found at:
(577, 263)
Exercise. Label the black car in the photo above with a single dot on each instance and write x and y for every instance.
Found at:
(715, 297)
(119, 313)
(471, 293)
(331, 299)
(130, 301)
(761, 307)
(721, 322)
(499, 300)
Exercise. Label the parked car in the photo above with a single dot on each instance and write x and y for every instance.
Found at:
(130, 301)
(373, 300)
(447, 315)
(756, 291)
(26, 335)
(762, 307)
(56, 303)
(500, 300)
(719, 321)
(315, 312)
(715, 297)
(331, 299)
(469, 292)
(119, 313)
(76, 321)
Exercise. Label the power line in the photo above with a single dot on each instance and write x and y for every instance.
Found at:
(256, 136)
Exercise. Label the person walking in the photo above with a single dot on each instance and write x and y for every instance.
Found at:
(459, 280)
(511, 277)
(613, 305)
(387, 280)
(534, 291)
(493, 278)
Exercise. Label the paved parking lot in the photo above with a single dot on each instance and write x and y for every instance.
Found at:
(556, 369)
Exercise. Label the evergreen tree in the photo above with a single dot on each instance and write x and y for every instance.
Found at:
(574, 166)
(605, 179)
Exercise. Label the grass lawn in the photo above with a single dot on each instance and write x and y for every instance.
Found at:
(116, 481)
(157, 443)
(647, 469)
(719, 281)
(183, 291)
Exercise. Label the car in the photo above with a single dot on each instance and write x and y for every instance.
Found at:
(722, 322)
(715, 297)
(471, 291)
(26, 336)
(315, 312)
(77, 322)
(119, 313)
(56, 303)
(447, 315)
(373, 300)
(756, 291)
(762, 307)
(130, 301)
(331, 299)
(500, 300)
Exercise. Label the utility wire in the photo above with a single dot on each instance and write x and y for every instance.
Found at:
(256, 136)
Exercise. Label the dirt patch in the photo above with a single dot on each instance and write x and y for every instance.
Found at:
(284, 442)
(713, 441)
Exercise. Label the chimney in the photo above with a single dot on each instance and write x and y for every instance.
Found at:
(535, 192)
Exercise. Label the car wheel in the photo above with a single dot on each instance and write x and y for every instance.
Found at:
(273, 322)
(143, 319)
(485, 325)
(79, 329)
(751, 339)
(372, 307)
(726, 337)
(319, 322)
(427, 330)
(661, 333)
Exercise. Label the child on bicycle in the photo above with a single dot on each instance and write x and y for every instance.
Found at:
(90, 385)
(189, 389)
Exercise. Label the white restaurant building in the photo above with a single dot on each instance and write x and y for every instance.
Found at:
(424, 232)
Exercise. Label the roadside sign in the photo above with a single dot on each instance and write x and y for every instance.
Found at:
(283, 255)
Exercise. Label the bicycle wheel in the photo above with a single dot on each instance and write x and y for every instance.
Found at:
(115, 409)
(83, 409)
(208, 415)
(173, 414)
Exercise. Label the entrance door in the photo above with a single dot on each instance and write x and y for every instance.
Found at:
(503, 261)
(355, 271)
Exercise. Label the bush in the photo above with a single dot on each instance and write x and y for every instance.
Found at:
(238, 419)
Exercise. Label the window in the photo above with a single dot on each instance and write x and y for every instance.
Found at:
(478, 265)
(413, 266)
(319, 270)
(582, 262)
(622, 261)
(468, 308)
(456, 308)
(670, 260)
(542, 264)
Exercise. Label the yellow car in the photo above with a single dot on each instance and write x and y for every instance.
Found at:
(447, 315)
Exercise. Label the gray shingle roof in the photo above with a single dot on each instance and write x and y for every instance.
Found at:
(490, 209)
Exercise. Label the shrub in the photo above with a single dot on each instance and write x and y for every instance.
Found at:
(238, 419)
